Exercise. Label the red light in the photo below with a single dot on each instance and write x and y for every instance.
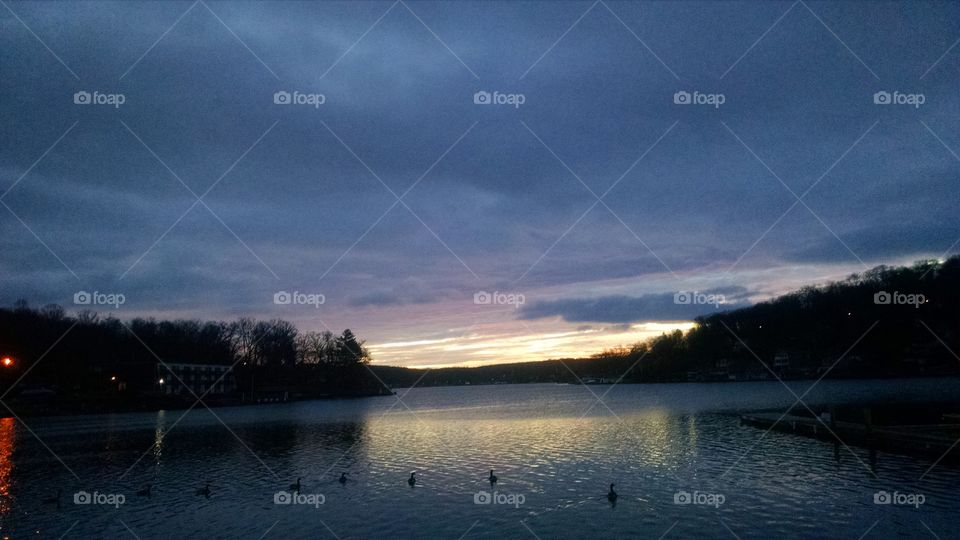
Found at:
(7, 361)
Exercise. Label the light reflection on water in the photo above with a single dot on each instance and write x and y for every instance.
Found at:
(552, 444)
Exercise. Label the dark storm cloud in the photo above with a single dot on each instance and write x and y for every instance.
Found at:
(670, 306)
(296, 203)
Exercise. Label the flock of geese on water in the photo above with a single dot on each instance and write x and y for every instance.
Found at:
(205, 491)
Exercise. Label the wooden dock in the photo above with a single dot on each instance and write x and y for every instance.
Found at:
(932, 440)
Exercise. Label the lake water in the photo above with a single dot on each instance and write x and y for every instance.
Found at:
(554, 448)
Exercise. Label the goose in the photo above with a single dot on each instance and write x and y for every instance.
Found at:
(54, 500)
(493, 478)
(205, 491)
(145, 492)
(612, 495)
(412, 480)
(343, 478)
(295, 487)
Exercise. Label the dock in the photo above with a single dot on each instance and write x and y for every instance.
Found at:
(928, 440)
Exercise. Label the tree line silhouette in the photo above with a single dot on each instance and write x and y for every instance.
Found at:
(92, 362)
(863, 326)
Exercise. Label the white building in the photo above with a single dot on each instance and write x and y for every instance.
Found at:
(174, 379)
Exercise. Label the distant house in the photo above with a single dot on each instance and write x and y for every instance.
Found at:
(177, 379)
(781, 361)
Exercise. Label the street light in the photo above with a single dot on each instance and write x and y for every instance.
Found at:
(7, 361)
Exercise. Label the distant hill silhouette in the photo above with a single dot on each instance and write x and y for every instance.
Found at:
(885, 322)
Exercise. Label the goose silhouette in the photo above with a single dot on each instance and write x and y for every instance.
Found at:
(205, 490)
(295, 487)
(492, 478)
(612, 495)
(412, 481)
(54, 500)
(343, 478)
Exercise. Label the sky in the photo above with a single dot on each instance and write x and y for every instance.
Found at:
(473, 182)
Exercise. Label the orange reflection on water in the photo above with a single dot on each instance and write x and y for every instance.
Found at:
(8, 435)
